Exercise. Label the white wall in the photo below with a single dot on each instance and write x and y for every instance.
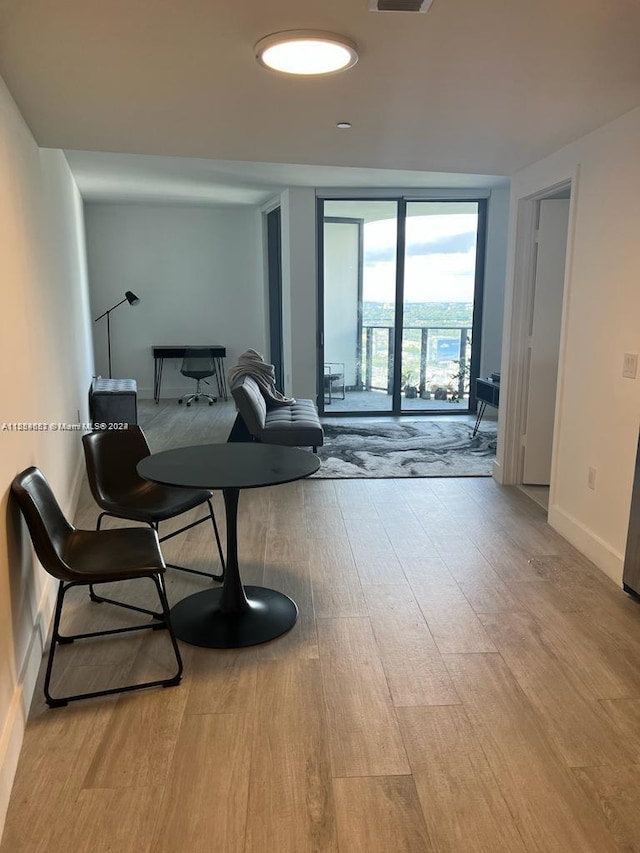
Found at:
(341, 246)
(597, 410)
(198, 273)
(45, 372)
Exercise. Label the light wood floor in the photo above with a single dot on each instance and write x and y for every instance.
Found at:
(459, 679)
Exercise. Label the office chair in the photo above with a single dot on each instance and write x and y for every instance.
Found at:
(111, 457)
(85, 557)
(198, 364)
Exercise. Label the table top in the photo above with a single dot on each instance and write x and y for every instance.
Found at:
(228, 466)
(176, 351)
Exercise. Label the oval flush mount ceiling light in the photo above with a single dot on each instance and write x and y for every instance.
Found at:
(306, 52)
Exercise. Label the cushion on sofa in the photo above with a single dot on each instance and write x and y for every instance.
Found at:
(251, 404)
(294, 425)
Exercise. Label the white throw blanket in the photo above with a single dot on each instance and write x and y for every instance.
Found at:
(251, 363)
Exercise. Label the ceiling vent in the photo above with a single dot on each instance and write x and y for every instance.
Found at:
(399, 5)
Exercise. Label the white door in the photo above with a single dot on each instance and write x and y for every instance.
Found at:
(544, 340)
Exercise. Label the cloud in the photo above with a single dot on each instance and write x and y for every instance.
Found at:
(451, 244)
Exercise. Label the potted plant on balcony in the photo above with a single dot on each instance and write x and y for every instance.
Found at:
(460, 378)
(408, 386)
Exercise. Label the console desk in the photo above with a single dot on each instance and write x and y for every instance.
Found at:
(488, 394)
(160, 353)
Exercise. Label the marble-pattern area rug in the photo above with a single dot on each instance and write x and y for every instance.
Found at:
(427, 448)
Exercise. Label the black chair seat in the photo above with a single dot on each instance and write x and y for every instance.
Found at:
(90, 553)
(112, 457)
(152, 502)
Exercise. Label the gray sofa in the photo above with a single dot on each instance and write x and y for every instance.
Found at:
(296, 425)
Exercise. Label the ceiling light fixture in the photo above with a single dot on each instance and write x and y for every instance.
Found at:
(306, 52)
(344, 125)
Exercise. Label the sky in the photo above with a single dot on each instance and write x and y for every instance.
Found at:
(439, 262)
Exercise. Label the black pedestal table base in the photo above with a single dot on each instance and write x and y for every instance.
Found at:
(233, 615)
(200, 620)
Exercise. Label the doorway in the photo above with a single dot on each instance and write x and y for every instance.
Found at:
(400, 305)
(532, 361)
(543, 348)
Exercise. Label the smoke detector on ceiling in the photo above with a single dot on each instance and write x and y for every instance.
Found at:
(399, 5)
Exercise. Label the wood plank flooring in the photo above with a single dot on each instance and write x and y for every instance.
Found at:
(460, 680)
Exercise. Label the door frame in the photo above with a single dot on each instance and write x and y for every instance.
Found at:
(478, 296)
(347, 220)
(273, 240)
(508, 467)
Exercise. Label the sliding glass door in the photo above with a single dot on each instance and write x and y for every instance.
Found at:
(400, 306)
(359, 305)
(440, 290)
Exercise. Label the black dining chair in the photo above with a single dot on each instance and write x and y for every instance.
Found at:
(85, 557)
(111, 457)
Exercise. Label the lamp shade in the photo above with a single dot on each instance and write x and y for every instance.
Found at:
(132, 299)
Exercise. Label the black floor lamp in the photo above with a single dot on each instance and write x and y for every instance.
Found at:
(129, 297)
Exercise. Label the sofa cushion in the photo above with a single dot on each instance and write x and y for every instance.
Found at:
(296, 425)
(251, 404)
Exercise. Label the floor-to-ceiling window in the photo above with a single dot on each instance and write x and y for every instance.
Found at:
(400, 307)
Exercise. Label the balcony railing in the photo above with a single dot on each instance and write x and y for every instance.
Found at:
(431, 357)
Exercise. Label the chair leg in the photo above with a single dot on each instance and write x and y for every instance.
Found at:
(156, 526)
(162, 595)
(51, 702)
(163, 621)
(212, 516)
(219, 577)
(92, 594)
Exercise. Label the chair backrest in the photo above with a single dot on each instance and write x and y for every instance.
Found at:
(197, 363)
(111, 457)
(251, 404)
(48, 528)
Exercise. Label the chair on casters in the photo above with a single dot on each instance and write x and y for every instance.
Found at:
(118, 489)
(198, 364)
(85, 557)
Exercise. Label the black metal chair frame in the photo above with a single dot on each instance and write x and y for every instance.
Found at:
(155, 525)
(162, 621)
(84, 558)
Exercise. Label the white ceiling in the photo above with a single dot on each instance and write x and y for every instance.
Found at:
(144, 178)
(469, 87)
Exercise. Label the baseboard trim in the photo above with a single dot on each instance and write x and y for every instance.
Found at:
(13, 732)
(606, 558)
(10, 745)
(76, 485)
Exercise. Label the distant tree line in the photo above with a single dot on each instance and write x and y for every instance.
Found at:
(419, 313)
